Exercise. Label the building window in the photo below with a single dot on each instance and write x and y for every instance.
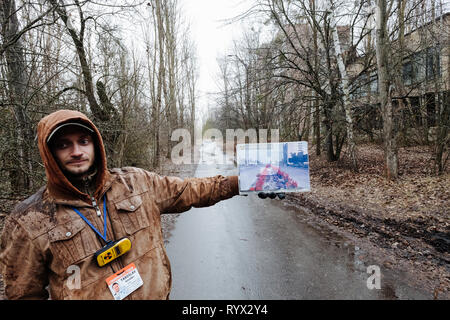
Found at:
(408, 74)
(358, 87)
(433, 63)
(414, 69)
(373, 85)
(365, 85)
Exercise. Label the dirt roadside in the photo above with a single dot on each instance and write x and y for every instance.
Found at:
(403, 226)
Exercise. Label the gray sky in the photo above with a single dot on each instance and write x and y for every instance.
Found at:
(211, 36)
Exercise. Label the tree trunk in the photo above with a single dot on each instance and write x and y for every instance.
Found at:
(387, 109)
(316, 67)
(317, 124)
(346, 96)
(169, 20)
(160, 85)
(441, 101)
(442, 121)
(17, 80)
(327, 120)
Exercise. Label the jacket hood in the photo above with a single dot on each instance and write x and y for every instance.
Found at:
(58, 186)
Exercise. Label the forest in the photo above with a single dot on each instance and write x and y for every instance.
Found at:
(81, 55)
(334, 73)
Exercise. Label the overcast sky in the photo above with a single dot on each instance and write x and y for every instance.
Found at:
(212, 36)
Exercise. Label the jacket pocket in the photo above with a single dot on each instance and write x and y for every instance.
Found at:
(132, 214)
(72, 242)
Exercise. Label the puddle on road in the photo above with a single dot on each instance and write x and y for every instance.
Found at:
(392, 284)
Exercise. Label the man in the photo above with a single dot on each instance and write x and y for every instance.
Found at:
(87, 213)
(117, 292)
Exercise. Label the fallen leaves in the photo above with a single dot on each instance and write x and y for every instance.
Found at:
(414, 194)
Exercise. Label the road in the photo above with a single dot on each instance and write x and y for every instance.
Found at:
(249, 248)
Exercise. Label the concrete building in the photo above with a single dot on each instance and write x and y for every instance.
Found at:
(423, 81)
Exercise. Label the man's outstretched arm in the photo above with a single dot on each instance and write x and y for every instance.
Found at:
(177, 195)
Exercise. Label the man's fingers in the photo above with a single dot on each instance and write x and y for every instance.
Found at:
(281, 195)
(271, 195)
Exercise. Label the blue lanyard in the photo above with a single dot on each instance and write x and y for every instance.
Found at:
(103, 236)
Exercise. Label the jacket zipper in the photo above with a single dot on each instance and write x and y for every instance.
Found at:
(97, 209)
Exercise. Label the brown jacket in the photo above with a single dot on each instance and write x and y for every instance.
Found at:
(43, 237)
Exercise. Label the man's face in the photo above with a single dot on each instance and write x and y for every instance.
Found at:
(74, 150)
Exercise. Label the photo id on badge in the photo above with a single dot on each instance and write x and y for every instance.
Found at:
(124, 282)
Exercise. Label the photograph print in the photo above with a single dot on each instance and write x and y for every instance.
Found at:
(273, 167)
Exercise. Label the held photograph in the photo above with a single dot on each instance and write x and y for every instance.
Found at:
(273, 167)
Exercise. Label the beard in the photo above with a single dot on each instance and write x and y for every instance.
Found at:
(86, 181)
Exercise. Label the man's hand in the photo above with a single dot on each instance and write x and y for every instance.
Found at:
(272, 195)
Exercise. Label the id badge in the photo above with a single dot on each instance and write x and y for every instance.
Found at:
(124, 282)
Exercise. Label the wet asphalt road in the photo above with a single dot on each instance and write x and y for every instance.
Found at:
(249, 248)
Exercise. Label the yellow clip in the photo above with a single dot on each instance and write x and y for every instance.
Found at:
(112, 251)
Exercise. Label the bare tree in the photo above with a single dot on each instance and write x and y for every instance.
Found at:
(442, 103)
(78, 37)
(172, 75)
(18, 95)
(345, 89)
(316, 107)
(387, 108)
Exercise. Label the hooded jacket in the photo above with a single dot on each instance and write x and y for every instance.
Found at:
(46, 244)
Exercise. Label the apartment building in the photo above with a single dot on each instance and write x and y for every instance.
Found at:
(420, 78)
